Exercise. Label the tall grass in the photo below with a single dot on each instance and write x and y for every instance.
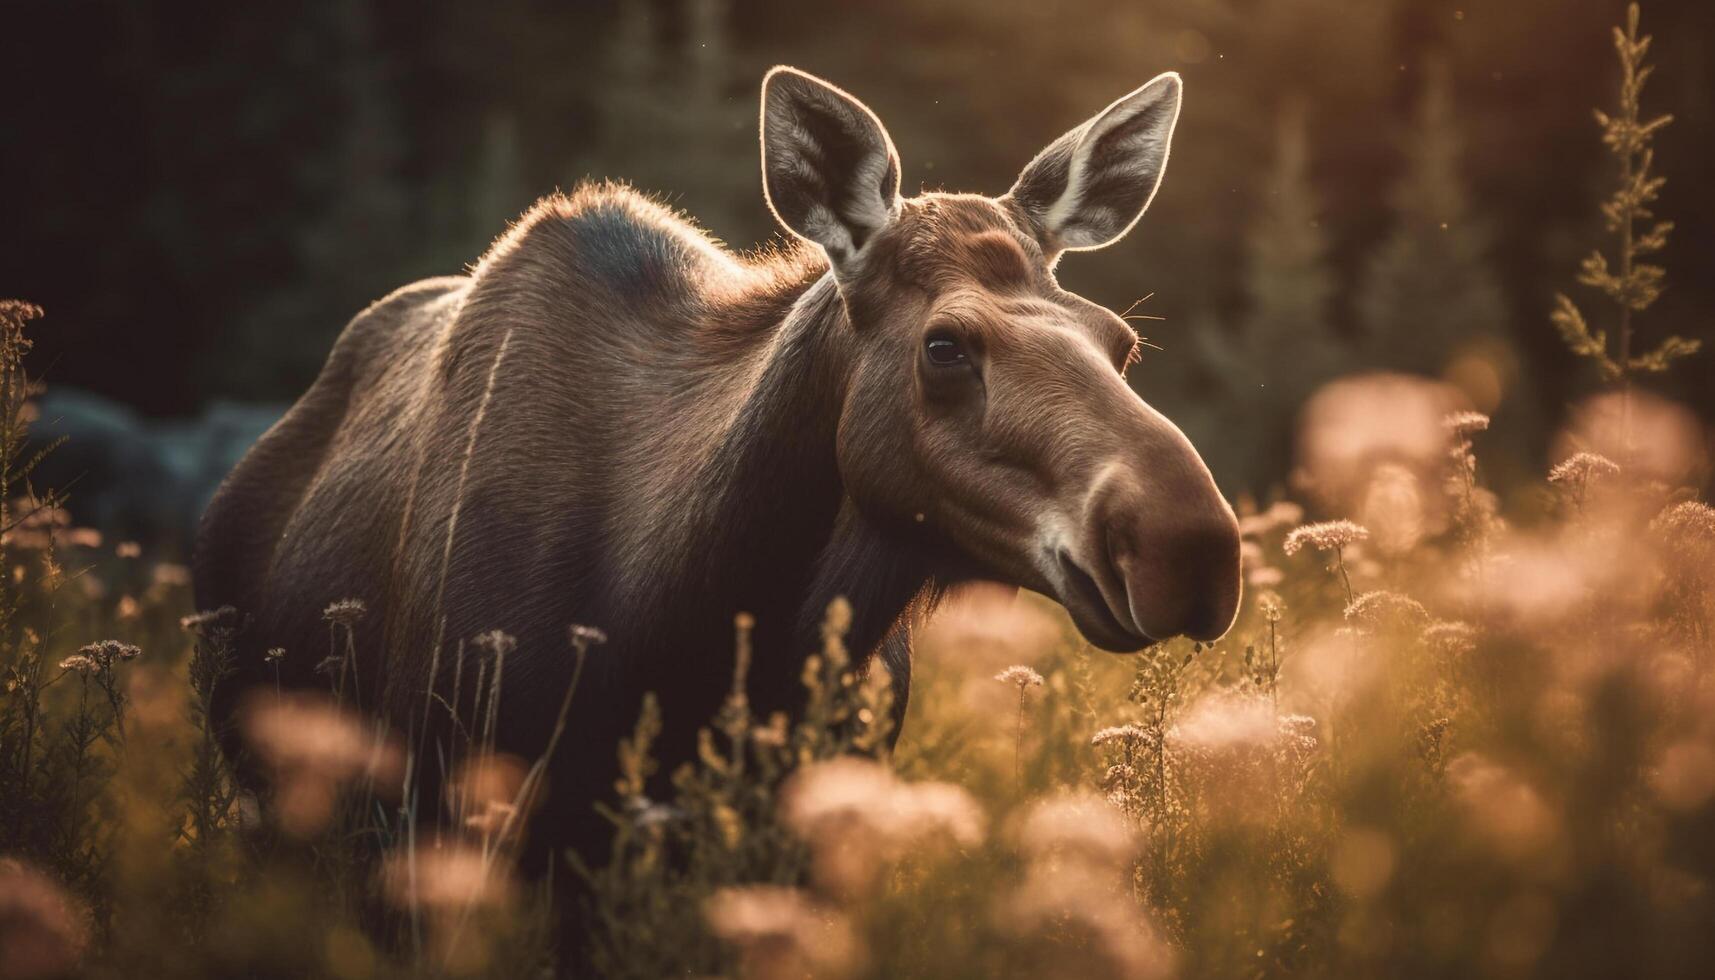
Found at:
(1442, 740)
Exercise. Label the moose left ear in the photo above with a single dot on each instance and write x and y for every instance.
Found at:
(1091, 185)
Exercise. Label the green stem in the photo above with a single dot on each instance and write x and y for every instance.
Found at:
(1018, 744)
(1627, 152)
(1340, 561)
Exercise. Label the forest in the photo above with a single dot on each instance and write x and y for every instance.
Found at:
(1427, 285)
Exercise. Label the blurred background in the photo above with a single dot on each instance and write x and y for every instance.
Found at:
(202, 194)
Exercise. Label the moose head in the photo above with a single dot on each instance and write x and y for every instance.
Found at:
(986, 409)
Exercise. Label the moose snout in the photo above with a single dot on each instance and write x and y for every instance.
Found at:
(1171, 554)
(1181, 579)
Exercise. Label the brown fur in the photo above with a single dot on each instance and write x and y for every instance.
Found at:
(614, 421)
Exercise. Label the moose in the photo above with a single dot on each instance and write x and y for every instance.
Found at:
(613, 420)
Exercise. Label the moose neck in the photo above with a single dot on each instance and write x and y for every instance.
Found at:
(785, 539)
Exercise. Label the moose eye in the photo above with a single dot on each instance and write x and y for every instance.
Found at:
(944, 351)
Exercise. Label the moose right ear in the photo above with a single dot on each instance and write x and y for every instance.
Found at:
(1091, 185)
(829, 170)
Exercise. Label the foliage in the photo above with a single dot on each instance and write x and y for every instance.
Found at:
(1286, 344)
(1490, 752)
(1631, 282)
(200, 252)
(1436, 743)
(1431, 283)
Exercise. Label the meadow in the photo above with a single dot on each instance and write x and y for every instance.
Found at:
(1444, 738)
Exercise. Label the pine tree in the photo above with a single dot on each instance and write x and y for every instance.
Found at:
(1286, 345)
(1288, 283)
(1430, 285)
(348, 245)
(499, 191)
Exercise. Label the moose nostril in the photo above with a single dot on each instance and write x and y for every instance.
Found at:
(1182, 581)
(1211, 557)
(1206, 620)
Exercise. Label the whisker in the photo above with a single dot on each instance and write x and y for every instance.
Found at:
(1135, 305)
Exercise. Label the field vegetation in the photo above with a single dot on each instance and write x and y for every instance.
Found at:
(1443, 739)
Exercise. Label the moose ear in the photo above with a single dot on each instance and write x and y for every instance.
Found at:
(1091, 185)
(829, 170)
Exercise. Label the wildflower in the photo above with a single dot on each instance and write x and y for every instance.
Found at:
(1127, 736)
(1119, 776)
(81, 664)
(39, 529)
(308, 732)
(1224, 722)
(274, 655)
(81, 537)
(1431, 741)
(1265, 577)
(1022, 676)
(108, 652)
(1025, 679)
(1078, 848)
(486, 778)
(1076, 826)
(205, 622)
(42, 931)
(1281, 513)
(1451, 637)
(1328, 536)
(846, 793)
(1351, 425)
(857, 816)
(1580, 469)
(1688, 530)
(444, 879)
(171, 575)
(1651, 437)
(495, 643)
(1284, 512)
(128, 549)
(583, 637)
(1271, 605)
(1690, 518)
(345, 612)
(1502, 807)
(1464, 425)
(1250, 553)
(839, 790)
(313, 748)
(1544, 579)
(1295, 750)
(987, 627)
(1056, 902)
(1324, 536)
(1380, 608)
(1393, 507)
(460, 892)
(780, 933)
(492, 818)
